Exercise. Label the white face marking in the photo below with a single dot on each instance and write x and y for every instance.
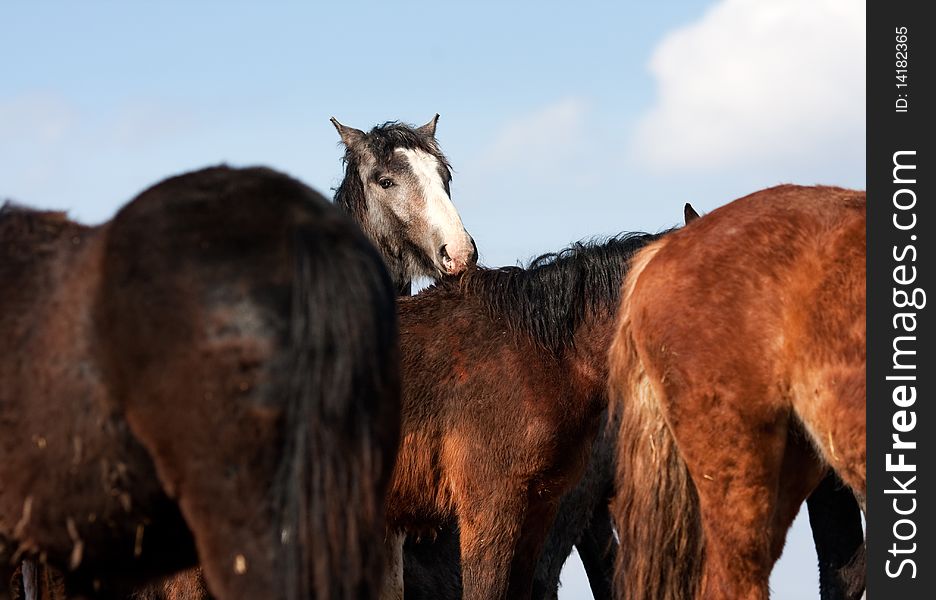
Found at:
(440, 212)
(441, 216)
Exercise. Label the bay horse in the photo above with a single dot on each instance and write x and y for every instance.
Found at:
(213, 373)
(738, 369)
(504, 378)
(397, 187)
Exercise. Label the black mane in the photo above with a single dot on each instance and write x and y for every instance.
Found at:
(550, 298)
(382, 140)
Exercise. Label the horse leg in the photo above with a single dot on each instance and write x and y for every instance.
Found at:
(489, 535)
(8, 571)
(597, 548)
(392, 588)
(432, 569)
(226, 504)
(836, 526)
(832, 410)
(189, 585)
(583, 521)
(539, 518)
(30, 576)
(11, 580)
(737, 485)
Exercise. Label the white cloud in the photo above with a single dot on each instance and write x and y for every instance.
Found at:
(758, 80)
(541, 140)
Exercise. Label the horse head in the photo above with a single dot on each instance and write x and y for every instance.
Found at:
(396, 186)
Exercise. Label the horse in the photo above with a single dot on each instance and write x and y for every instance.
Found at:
(397, 187)
(835, 520)
(504, 375)
(738, 371)
(215, 374)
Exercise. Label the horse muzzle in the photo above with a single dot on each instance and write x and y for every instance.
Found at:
(453, 263)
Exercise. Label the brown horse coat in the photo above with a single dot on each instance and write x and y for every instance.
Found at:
(214, 369)
(739, 369)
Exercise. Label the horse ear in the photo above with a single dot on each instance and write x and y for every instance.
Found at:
(349, 135)
(689, 213)
(430, 127)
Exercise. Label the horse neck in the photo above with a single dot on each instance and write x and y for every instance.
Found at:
(591, 342)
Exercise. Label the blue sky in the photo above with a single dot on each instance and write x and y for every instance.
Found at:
(562, 120)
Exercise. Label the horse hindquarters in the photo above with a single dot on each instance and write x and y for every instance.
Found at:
(741, 497)
(726, 495)
(267, 391)
(741, 370)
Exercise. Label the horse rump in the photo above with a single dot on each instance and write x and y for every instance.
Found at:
(655, 506)
(252, 342)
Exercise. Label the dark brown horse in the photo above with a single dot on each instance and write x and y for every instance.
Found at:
(504, 376)
(738, 368)
(213, 371)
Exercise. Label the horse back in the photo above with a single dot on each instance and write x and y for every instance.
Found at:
(59, 439)
(36, 251)
(775, 269)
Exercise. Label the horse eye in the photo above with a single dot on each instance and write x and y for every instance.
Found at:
(385, 182)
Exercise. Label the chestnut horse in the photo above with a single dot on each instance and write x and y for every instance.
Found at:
(738, 368)
(213, 371)
(504, 377)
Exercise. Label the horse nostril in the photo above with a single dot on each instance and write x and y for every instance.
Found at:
(474, 251)
(443, 252)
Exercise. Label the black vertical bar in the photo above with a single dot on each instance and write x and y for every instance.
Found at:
(901, 366)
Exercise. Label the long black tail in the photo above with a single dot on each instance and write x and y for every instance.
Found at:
(343, 416)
